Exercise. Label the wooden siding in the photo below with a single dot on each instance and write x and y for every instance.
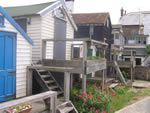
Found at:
(33, 31)
(70, 35)
(23, 59)
(47, 32)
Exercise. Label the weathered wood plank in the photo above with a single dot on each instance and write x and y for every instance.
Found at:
(30, 99)
(62, 63)
(95, 65)
(58, 69)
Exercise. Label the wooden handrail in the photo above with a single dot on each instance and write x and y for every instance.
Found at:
(51, 95)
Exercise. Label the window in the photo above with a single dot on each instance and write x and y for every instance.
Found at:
(1, 21)
(116, 36)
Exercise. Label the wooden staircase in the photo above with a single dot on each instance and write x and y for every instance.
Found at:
(47, 81)
(66, 107)
(116, 66)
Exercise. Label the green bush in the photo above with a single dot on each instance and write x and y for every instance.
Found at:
(148, 49)
(94, 101)
(94, 57)
(119, 90)
(125, 74)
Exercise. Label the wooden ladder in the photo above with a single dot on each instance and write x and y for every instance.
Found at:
(66, 107)
(47, 81)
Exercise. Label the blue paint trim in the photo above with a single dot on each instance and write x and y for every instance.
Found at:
(11, 20)
(3, 21)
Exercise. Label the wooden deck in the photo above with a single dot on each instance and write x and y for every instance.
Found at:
(122, 64)
(73, 66)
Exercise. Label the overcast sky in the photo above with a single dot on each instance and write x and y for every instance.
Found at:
(85, 6)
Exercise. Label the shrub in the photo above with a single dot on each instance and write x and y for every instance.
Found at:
(125, 74)
(94, 101)
(119, 90)
(148, 49)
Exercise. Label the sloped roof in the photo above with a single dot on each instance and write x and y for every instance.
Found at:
(134, 18)
(90, 18)
(27, 10)
(12, 21)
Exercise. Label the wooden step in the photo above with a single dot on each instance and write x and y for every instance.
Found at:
(66, 109)
(45, 76)
(53, 87)
(40, 71)
(49, 81)
(59, 92)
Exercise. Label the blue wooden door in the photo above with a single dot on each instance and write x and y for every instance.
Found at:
(7, 66)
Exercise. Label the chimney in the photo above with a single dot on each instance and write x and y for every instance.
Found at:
(122, 12)
(70, 5)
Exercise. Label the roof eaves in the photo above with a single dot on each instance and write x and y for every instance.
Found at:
(70, 18)
(56, 5)
(11, 20)
(49, 8)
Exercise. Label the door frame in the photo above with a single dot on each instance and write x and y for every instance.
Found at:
(13, 35)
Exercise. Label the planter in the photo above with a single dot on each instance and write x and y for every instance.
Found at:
(24, 108)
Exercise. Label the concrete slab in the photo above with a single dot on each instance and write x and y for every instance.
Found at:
(142, 106)
(141, 84)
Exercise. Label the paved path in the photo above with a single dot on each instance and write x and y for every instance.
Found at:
(142, 106)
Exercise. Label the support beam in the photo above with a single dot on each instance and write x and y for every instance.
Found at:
(67, 86)
(84, 83)
(29, 82)
(84, 66)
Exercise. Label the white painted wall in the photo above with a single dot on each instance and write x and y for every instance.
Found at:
(23, 59)
(70, 35)
(47, 32)
(34, 32)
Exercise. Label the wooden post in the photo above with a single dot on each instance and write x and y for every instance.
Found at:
(52, 106)
(84, 66)
(43, 50)
(131, 66)
(71, 81)
(67, 86)
(29, 82)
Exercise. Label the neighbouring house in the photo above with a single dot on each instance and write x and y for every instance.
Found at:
(96, 26)
(46, 21)
(118, 36)
(15, 56)
(135, 29)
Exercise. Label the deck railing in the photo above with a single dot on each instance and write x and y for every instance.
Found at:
(50, 95)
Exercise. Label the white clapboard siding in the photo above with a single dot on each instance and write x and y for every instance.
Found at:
(34, 32)
(23, 59)
(47, 32)
(70, 35)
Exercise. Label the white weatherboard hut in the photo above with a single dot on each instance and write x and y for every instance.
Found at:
(46, 21)
(15, 56)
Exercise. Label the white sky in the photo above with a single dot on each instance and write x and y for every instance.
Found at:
(85, 6)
